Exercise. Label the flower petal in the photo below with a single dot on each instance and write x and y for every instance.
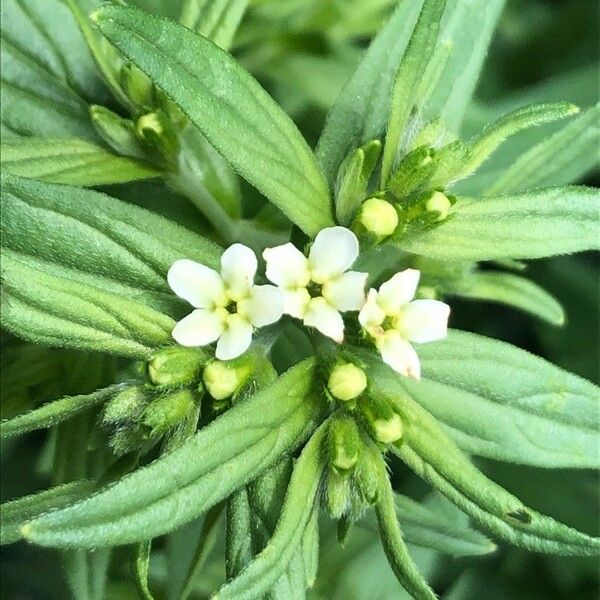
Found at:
(398, 291)
(295, 302)
(236, 338)
(238, 268)
(423, 321)
(346, 292)
(199, 328)
(324, 317)
(287, 266)
(399, 354)
(263, 307)
(201, 286)
(333, 252)
(371, 314)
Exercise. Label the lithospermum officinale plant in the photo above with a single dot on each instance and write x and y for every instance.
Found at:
(276, 392)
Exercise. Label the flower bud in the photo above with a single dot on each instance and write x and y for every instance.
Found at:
(166, 411)
(378, 216)
(136, 85)
(117, 132)
(347, 381)
(365, 476)
(126, 406)
(343, 443)
(386, 425)
(438, 202)
(222, 379)
(175, 365)
(338, 487)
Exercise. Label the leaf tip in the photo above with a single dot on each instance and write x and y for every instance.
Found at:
(26, 530)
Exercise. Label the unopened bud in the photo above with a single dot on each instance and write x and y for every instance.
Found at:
(347, 381)
(167, 411)
(439, 203)
(136, 85)
(175, 365)
(344, 443)
(365, 476)
(149, 124)
(222, 379)
(386, 425)
(126, 406)
(379, 217)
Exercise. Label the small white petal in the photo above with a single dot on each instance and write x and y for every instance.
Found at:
(238, 268)
(201, 286)
(287, 266)
(346, 292)
(199, 328)
(371, 314)
(333, 252)
(295, 302)
(399, 354)
(263, 307)
(423, 321)
(236, 338)
(398, 291)
(324, 317)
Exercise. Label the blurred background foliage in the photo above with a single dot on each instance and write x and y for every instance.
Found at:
(303, 52)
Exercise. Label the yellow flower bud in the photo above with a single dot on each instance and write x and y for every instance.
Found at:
(389, 430)
(221, 380)
(149, 122)
(386, 424)
(344, 443)
(378, 216)
(347, 381)
(439, 203)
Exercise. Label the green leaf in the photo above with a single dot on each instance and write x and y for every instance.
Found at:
(52, 413)
(48, 74)
(117, 246)
(177, 487)
(562, 158)
(51, 308)
(16, 512)
(362, 108)
(435, 457)
(72, 161)
(494, 134)
(235, 114)
(407, 81)
(529, 225)
(257, 578)
(508, 289)
(467, 28)
(141, 568)
(353, 179)
(393, 543)
(217, 20)
(424, 526)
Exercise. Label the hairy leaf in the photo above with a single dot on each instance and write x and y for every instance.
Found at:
(265, 569)
(235, 114)
(73, 161)
(52, 413)
(561, 158)
(362, 108)
(186, 482)
(529, 225)
(511, 290)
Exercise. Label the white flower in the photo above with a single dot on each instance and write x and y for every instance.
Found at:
(394, 321)
(228, 305)
(316, 289)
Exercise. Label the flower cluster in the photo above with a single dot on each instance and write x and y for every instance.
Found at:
(315, 289)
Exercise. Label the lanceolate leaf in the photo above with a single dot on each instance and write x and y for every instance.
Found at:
(562, 158)
(408, 77)
(509, 289)
(116, 246)
(265, 569)
(529, 225)
(494, 134)
(73, 161)
(204, 470)
(362, 108)
(16, 512)
(52, 413)
(237, 116)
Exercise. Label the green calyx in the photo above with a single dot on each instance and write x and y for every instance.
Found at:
(175, 366)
